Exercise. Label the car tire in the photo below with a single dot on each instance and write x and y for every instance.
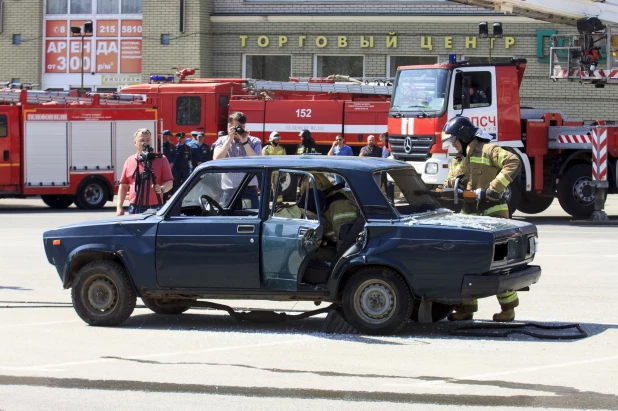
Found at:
(532, 203)
(166, 306)
(377, 301)
(439, 311)
(58, 201)
(575, 191)
(102, 294)
(92, 194)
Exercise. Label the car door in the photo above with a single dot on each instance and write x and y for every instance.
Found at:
(289, 241)
(210, 251)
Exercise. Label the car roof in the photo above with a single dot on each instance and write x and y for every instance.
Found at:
(343, 163)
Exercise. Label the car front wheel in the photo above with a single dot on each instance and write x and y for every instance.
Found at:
(377, 301)
(103, 294)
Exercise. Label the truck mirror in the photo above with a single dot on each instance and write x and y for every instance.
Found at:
(466, 83)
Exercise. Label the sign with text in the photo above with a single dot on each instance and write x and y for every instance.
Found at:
(115, 46)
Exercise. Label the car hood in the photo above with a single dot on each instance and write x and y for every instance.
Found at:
(447, 218)
(108, 221)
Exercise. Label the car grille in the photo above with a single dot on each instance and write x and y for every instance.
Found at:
(511, 250)
(420, 147)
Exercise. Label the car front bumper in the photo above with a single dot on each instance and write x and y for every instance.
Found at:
(487, 285)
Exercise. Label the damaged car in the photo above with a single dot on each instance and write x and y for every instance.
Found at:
(230, 233)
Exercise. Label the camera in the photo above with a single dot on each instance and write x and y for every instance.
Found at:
(239, 129)
(147, 154)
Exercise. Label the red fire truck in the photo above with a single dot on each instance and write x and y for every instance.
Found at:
(321, 105)
(66, 148)
(556, 152)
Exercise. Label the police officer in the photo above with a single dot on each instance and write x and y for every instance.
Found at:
(488, 170)
(182, 164)
(273, 149)
(307, 144)
(192, 141)
(201, 153)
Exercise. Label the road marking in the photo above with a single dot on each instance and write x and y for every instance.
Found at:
(50, 367)
(4, 327)
(503, 373)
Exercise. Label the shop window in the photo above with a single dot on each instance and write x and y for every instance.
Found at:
(188, 111)
(81, 6)
(353, 66)
(108, 6)
(397, 61)
(57, 7)
(165, 39)
(274, 68)
(17, 39)
(3, 126)
(131, 7)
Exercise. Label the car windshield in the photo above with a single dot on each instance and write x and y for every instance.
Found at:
(420, 90)
(406, 191)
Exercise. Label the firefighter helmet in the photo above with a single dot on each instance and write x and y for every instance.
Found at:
(273, 136)
(460, 128)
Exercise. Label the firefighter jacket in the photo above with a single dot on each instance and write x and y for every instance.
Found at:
(489, 166)
(271, 150)
(340, 213)
(458, 167)
(303, 149)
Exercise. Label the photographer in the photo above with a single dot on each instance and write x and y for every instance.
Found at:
(132, 172)
(238, 143)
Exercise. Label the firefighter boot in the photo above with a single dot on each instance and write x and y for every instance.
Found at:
(508, 302)
(464, 312)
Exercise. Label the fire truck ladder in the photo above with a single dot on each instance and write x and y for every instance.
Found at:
(320, 87)
(60, 97)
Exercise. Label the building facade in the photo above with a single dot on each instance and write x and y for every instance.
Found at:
(274, 40)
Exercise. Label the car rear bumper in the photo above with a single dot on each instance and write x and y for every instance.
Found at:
(487, 285)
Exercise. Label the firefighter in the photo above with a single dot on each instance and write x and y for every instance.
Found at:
(477, 96)
(273, 149)
(307, 144)
(183, 160)
(488, 169)
(201, 153)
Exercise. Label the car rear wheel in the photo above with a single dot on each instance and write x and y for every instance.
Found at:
(377, 300)
(103, 294)
(58, 201)
(168, 306)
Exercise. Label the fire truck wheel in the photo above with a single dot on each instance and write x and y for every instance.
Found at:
(169, 306)
(512, 195)
(532, 203)
(58, 201)
(91, 195)
(377, 301)
(575, 191)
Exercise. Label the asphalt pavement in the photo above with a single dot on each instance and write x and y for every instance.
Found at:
(205, 359)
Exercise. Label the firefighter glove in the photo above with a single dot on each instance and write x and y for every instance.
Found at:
(488, 195)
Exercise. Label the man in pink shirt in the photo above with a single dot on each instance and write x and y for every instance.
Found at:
(160, 168)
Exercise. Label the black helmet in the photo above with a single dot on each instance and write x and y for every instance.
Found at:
(305, 134)
(459, 127)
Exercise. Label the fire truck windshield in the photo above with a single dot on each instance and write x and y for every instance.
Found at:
(420, 90)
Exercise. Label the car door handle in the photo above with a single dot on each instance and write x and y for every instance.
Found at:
(302, 231)
(245, 229)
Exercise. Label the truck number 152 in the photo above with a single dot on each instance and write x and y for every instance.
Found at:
(303, 112)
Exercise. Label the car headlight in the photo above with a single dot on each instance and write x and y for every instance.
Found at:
(431, 168)
(533, 245)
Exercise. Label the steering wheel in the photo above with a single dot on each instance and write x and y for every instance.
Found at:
(210, 207)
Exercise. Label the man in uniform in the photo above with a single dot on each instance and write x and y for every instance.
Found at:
(477, 96)
(488, 170)
(273, 149)
(192, 141)
(307, 144)
(169, 151)
(201, 153)
(182, 164)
